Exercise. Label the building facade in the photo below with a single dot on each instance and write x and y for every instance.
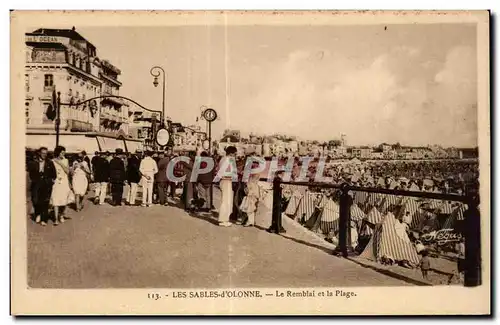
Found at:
(62, 61)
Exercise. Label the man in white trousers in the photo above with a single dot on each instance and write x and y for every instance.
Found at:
(227, 171)
(148, 169)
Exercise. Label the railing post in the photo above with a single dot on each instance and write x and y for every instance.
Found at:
(472, 272)
(344, 222)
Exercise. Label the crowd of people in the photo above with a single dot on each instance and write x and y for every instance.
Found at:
(60, 181)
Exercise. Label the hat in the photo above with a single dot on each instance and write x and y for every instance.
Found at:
(118, 150)
(138, 151)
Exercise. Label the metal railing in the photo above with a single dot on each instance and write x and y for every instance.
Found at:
(348, 200)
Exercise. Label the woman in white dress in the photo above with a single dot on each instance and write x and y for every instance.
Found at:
(250, 202)
(226, 186)
(62, 194)
(81, 173)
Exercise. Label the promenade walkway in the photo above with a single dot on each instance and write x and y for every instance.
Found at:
(164, 247)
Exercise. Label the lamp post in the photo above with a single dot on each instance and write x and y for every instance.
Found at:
(57, 103)
(209, 115)
(156, 71)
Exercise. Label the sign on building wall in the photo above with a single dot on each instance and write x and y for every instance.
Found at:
(46, 39)
(48, 55)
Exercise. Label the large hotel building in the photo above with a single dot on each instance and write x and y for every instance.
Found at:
(61, 60)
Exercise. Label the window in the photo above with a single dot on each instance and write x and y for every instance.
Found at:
(27, 82)
(49, 80)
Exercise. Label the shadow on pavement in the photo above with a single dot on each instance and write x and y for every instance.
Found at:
(391, 274)
(206, 217)
(324, 249)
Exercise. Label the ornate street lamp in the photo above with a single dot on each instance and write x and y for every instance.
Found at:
(156, 71)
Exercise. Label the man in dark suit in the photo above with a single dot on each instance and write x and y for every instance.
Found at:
(42, 175)
(276, 225)
(133, 176)
(100, 168)
(203, 184)
(162, 180)
(117, 177)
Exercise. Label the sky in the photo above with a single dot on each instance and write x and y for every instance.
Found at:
(414, 84)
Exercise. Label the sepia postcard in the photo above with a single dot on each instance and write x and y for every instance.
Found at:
(250, 163)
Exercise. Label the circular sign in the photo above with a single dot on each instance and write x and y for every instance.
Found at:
(210, 115)
(162, 137)
(206, 144)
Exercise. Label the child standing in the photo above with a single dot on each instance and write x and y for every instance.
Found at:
(425, 264)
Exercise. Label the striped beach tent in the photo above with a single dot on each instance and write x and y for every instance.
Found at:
(435, 204)
(330, 217)
(360, 198)
(459, 211)
(356, 213)
(307, 205)
(374, 216)
(456, 216)
(390, 241)
(409, 207)
(294, 202)
(418, 219)
(445, 208)
(373, 200)
(388, 203)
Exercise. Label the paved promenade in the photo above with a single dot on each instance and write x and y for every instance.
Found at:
(135, 247)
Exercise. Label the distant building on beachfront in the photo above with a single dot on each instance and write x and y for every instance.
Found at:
(226, 141)
(385, 147)
(363, 152)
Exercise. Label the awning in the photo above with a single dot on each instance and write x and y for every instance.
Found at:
(72, 142)
(133, 146)
(110, 144)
